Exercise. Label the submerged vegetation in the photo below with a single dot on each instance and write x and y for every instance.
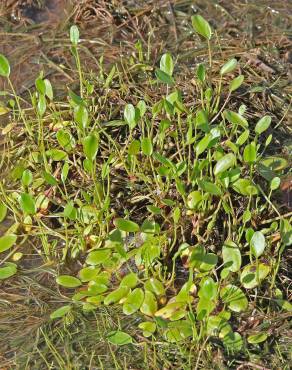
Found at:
(157, 216)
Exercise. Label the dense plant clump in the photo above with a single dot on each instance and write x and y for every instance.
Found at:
(169, 210)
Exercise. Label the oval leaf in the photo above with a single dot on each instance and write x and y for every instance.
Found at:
(126, 225)
(4, 66)
(119, 338)
(263, 124)
(228, 66)
(68, 281)
(7, 241)
(258, 244)
(201, 26)
(224, 163)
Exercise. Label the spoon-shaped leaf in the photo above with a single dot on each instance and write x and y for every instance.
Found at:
(133, 301)
(119, 338)
(27, 204)
(130, 115)
(126, 225)
(263, 124)
(201, 26)
(90, 146)
(258, 244)
(4, 66)
(74, 35)
(68, 281)
(3, 211)
(228, 67)
(60, 312)
(236, 83)
(224, 163)
(7, 241)
(166, 64)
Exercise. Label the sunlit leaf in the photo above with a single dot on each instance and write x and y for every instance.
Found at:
(166, 64)
(68, 281)
(4, 66)
(60, 312)
(126, 225)
(119, 338)
(228, 66)
(7, 241)
(263, 124)
(201, 26)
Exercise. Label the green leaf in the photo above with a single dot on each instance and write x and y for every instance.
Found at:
(81, 116)
(149, 305)
(170, 310)
(26, 178)
(98, 256)
(146, 145)
(88, 273)
(164, 77)
(201, 73)
(133, 301)
(257, 338)
(203, 144)
(3, 211)
(119, 338)
(236, 83)
(27, 204)
(208, 289)
(65, 139)
(130, 116)
(40, 86)
(148, 328)
(126, 225)
(194, 199)
(250, 153)
(7, 241)
(166, 64)
(134, 147)
(178, 331)
(68, 281)
(224, 163)
(244, 187)
(201, 26)
(275, 183)
(50, 179)
(130, 280)
(48, 89)
(4, 66)
(90, 146)
(74, 35)
(209, 187)
(253, 274)
(231, 256)
(235, 118)
(234, 298)
(57, 155)
(274, 163)
(242, 138)
(233, 342)
(258, 244)
(110, 77)
(155, 286)
(60, 312)
(42, 105)
(141, 107)
(263, 124)
(70, 211)
(8, 270)
(228, 66)
(116, 295)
